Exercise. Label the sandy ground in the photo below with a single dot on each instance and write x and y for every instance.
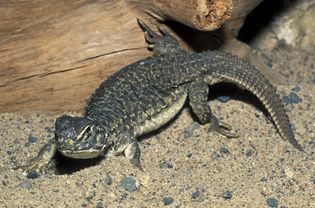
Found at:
(185, 165)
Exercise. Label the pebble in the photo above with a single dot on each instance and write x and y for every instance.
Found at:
(144, 180)
(49, 129)
(168, 200)
(292, 98)
(129, 184)
(32, 174)
(108, 180)
(124, 196)
(189, 155)
(288, 172)
(195, 194)
(227, 194)
(272, 202)
(79, 183)
(32, 139)
(166, 164)
(248, 153)
(189, 131)
(224, 150)
(296, 88)
(223, 98)
(312, 142)
(100, 204)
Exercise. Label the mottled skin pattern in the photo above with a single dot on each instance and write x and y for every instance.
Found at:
(148, 93)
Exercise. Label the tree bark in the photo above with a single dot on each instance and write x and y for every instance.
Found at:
(53, 54)
(203, 15)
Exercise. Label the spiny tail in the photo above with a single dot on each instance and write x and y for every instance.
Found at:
(234, 70)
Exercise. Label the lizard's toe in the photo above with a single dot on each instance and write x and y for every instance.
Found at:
(222, 128)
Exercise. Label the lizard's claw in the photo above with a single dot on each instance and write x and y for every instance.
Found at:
(222, 128)
(150, 36)
(43, 161)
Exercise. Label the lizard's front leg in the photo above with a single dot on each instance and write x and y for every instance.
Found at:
(128, 145)
(43, 159)
(198, 95)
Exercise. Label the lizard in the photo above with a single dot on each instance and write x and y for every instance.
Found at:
(145, 95)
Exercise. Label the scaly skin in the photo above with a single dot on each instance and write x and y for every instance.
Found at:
(148, 93)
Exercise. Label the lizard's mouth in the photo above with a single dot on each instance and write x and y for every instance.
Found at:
(84, 153)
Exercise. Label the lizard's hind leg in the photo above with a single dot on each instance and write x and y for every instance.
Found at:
(198, 95)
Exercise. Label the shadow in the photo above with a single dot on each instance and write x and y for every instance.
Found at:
(255, 23)
(65, 165)
(236, 93)
(259, 19)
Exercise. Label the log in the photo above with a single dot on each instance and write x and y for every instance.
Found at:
(203, 15)
(53, 54)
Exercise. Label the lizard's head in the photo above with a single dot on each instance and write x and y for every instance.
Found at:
(79, 137)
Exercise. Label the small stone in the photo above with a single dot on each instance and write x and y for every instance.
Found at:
(49, 129)
(223, 98)
(313, 180)
(189, 131)
(84, 205)
(165, 164)
(168, 200)
(189, 155)
(129, 184)
(32, 139)
(108, 180)
(272, 202)
(289, 172)
(124, 196)
(292, 98)
(144, 180)
(224, 150)
(79, 183)
(195, 194)
(99, 204)
(312, 142)
(296, 89)
(248, 153)
(32, 174)
(227, 194)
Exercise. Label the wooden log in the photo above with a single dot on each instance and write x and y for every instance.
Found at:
(199, 14)
(55, 53)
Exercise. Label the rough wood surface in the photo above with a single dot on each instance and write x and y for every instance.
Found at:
(199, 14)
(53, 54)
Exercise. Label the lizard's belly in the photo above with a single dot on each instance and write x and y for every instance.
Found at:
(162, 117)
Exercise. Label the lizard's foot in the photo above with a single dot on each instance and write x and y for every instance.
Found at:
(160, 44)
(128, 145)
(222, 128)
(133, 153)
(150, 36)
(43, 161)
